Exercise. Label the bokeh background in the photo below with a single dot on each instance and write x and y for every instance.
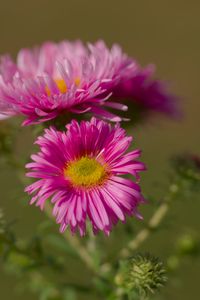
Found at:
(162, 32)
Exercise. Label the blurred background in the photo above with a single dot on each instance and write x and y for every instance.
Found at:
(162, 32)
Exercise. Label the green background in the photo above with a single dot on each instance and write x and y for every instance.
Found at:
(162, 32)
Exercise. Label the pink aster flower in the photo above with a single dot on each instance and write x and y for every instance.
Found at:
(71, 77)
(60, 78)
(148, 93)
(81, 171)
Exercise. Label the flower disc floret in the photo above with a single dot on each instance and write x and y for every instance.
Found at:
(85, 172)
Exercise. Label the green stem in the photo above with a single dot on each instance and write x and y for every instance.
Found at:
(153, 223)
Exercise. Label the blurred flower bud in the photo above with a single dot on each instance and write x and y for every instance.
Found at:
(188, 167)
(142, 274)
(2, 222)
(2, 231)
(188, 244)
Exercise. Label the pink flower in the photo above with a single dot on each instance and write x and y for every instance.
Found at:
(82, 171)
(151, 95)
(70, 77)
(61, 78)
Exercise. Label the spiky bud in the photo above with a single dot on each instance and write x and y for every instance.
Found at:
(142, 274)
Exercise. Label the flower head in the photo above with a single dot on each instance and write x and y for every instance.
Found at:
(82, 170)
(71, 77)
(58, 78)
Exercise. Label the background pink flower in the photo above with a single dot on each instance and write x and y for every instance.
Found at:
(71, 77)
(63, 77)
(147, 92)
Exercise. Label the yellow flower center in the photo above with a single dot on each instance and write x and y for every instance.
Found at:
(77, 81)
(61, 85)
(85, 172)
